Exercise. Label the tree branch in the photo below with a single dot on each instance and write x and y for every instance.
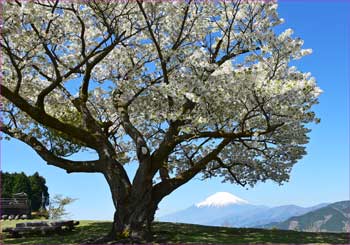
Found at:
(47, 120)
(58, 77)
(51, 159)
(163, 62)
(179, 38)
(166, 187)
(171, 140)
(142, 149)
(228, 168)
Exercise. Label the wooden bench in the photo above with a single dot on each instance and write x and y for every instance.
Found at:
(43, 227)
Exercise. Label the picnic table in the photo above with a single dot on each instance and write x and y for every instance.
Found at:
(43, 227)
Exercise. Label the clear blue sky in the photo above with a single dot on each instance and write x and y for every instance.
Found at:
(321, 176)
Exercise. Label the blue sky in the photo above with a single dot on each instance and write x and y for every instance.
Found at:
(321, 176)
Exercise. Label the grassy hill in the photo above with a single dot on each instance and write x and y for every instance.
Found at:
(332, 218)
(184, 233)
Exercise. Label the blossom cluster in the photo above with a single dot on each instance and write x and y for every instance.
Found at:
(224, 58)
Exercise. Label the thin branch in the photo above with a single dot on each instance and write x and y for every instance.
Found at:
(228, 168)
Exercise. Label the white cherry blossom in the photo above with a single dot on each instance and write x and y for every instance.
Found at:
(182, 88)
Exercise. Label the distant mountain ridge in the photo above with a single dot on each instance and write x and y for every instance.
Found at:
(225, 209)
(332, 218)
(264, 216)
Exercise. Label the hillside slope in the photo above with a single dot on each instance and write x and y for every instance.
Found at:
(257, 217)
(332, 218)
(184, 233)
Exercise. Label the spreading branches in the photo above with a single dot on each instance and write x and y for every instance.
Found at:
(182, 88)
(45, 119)
(168, 185)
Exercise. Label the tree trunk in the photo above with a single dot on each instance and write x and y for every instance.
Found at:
(133, 218)
(135, 206)
(132, 223)
(128, 224)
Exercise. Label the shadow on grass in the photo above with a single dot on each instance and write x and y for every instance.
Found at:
(185, 233)
(86, 230)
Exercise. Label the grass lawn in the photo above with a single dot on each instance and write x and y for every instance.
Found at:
(184, 233)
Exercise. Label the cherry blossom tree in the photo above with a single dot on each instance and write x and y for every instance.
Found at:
(183, 89)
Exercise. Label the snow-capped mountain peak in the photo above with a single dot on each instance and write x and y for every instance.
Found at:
(221, 199)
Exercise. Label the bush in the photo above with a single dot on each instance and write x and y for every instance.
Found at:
(41, 214)
(57, 206)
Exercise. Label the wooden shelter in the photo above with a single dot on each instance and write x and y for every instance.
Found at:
(17, 205)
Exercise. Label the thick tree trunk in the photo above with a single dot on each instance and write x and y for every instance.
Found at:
(133, 218)
(132, 222)
(135, 206)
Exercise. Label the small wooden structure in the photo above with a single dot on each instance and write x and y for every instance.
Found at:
(42, 227)
(17, 205)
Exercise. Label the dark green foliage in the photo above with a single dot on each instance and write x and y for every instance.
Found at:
(21, 183)
(39, 191)
(34, 186)
(7, 181)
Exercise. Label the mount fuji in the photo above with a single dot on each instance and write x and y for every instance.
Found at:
(226, 209)
(221, 199)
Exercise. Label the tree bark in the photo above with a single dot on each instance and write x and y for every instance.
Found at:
(132, 221)
(135, 209)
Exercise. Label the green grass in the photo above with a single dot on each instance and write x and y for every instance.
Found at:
(183, 233)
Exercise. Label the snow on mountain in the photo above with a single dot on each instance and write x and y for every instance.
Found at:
(223, 208)
(217, 206)
(221, 199)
